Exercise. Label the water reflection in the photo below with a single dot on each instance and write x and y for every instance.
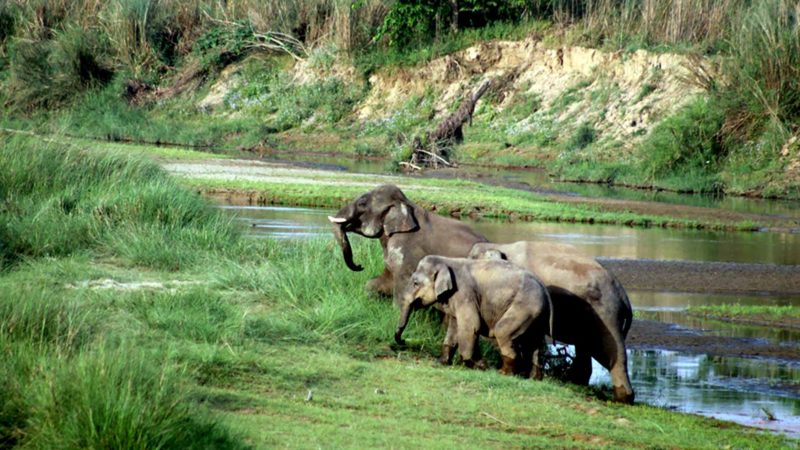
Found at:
(540, 181)
(742, 390)
(653, 243)
(596, 240)
(282, 222)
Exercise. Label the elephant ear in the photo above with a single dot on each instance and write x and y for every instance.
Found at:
(399, 219)
(444, 280)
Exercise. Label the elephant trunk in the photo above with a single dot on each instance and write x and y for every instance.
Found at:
(341, 237)
(401, 326)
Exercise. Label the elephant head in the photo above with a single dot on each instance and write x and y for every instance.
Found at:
(480, 252)
(382, 211)
(433, 281)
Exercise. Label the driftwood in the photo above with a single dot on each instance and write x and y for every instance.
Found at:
(434, 149)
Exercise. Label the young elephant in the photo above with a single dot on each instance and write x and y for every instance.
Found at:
(590, 308)
(492, 298)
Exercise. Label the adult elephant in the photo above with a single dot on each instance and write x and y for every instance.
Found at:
(591, 310)
(407, 234)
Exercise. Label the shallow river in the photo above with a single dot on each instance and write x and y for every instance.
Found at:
(538, 180)
(739, 389)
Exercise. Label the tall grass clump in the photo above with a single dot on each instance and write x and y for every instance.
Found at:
(47, 319)
(309, 296)
(665, 24)
(762, 88)
(59, 200)
(114, 398)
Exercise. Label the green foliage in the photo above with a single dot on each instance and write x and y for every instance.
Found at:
(223, 45)
(62, 200)
(688, 141)
(270, 92)
(584, 135)
(413, 23)
(47, 73)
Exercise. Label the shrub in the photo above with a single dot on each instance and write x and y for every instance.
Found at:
(115, 398)
(62, 200)
(688, 140)
(47, 73)
(584, 135)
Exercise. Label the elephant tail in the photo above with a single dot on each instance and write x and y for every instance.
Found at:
(625, 303)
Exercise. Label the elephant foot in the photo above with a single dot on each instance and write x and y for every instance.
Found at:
(623, 395)
(447, 355)
(537, 373)
(472, 364)
(508, 366)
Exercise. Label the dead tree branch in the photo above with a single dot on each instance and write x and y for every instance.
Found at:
(434, 148)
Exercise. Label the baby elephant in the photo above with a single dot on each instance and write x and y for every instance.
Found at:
(591, 309)
(487, 297)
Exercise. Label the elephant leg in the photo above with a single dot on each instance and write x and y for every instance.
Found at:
(536, 359)
(504, 332)
(383, 284)
(450, 343)
(468, 325)
(508, 354)
(614, 358)
(580, 371)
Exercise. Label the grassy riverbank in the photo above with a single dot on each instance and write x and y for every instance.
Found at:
(253, 182)
(134, 315)
(772, 316)
(696, 97)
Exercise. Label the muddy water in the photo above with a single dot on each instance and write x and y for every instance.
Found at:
(745, 390)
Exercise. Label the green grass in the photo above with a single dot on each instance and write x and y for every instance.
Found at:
(768, 314)
(107, 348)
(447, 197)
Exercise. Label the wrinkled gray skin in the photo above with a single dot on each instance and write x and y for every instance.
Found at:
(590, 308)
(491, 298)
(406, 232)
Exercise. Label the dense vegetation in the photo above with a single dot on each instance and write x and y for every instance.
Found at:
(91, 68)
(134, 315)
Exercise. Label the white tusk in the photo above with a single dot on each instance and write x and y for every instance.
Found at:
(336, 219)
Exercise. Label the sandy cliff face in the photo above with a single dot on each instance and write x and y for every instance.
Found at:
(620, 94)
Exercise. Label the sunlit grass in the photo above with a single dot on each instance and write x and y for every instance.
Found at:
(234, 342)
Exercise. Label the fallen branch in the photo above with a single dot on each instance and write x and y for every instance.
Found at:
(408, 164)
(444, 161)
(271, 40)
(433, 149)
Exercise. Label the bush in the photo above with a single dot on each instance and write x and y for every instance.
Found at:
(47, 73)
(61, 200)
(122, 399)
(687, 141)
(584, 135)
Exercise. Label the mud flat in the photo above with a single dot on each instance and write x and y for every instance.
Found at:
(705, 277)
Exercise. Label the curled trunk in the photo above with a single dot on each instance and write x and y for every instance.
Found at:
(344, 243)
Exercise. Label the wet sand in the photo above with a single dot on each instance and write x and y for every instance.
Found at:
(705, 277)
